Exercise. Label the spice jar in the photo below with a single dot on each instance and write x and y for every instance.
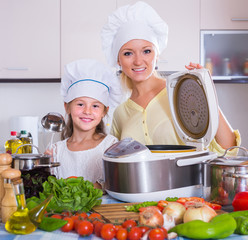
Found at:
(226, 67)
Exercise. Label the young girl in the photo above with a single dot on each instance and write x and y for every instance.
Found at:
(87, 96)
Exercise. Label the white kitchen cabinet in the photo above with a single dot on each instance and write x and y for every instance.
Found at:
(30, 39)
(224, 14)
(183, 20)
(81, 24)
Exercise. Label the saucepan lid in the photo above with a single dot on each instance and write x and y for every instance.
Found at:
(170, 148)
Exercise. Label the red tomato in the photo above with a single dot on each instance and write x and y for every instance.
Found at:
(82, 215)
(117, 227)
(66, 214)
(162, 204)
(68, 226)
(56, 216)
(165, 232)
(135, 233)
(129, 223)
(215, 206)
(144, 229)
(95, 215)
(191, 199)
(85, 228)
(156, 234)
(121, 234)
(240, 201)
(98, 228)
(108, 231)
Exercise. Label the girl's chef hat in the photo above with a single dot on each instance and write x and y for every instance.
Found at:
(90, 78)
(138, 21)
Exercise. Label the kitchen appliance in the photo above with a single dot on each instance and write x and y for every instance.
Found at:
(133, 173)
(229, 175)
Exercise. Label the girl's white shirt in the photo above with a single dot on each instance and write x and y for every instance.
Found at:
(87, 163)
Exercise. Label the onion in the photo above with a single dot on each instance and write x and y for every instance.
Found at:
(169, 222)
(175, 210)
(200, 212)
(151, 217)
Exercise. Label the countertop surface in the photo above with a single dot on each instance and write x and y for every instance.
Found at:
(42, 235)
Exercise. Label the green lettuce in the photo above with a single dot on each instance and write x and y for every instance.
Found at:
(73, 194)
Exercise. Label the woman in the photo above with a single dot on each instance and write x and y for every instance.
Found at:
(132, 39)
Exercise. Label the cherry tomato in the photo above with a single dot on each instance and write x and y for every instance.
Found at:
(68, 226)
(117, 227)
(98, 228)
(165, 232)
(82, 215)
(76, 223)
(135, 233)
(66, 214)
(85, 228)
(156, 234)
(121, 234)
(56, 216)
(215, 206)
(162, 204)
(129, 223)
(144, 229)
(183, 200)
(95, 215)
(108, 231)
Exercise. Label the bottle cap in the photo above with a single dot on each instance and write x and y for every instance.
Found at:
(13, 133)
(23, 132)
(11, 173)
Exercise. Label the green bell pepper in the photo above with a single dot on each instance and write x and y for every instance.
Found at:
(221, 226)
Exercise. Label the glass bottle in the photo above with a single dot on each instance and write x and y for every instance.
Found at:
(13, 143)
(24, 221)
(209, 65)
(24, 137)
(226, 67)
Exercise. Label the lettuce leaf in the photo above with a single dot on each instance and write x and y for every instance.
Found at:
(73, 194)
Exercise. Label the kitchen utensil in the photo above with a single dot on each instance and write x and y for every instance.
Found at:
(170, 148)
(229, 175)
(31, 161)
(135, 173)
(53, 122)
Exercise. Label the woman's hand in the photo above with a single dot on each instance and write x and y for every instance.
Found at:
(193, 66)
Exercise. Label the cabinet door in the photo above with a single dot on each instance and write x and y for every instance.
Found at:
(224, 14)
(183, 21)
(30, 33)
(81, 24)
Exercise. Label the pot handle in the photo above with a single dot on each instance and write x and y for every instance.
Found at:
(50, 165)
(27, 145)
(235, 175)
(242, 148)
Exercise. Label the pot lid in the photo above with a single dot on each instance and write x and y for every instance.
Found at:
(30, 156)
(194, 106)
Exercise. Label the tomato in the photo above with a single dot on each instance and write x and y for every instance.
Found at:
(165, 232)
(56, 216)
(66, 214)
(108, 231)
(183, 200)
(156, 234)
(144, 229)
(117, 227)
(121, 234)
(215, 206)
(68, 226)
(129, 223)
(95, 215)
(82, 215)
(135, 233)
(98, 228)
(162, 204)
(240, 201)
(85, 228)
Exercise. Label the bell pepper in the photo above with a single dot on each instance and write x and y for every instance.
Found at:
(240, 201)
(241, 218)
(220, 226)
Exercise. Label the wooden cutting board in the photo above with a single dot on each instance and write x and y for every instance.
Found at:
(116, 212)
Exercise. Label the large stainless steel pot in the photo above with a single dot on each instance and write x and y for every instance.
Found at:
(229, 175)
(30, 161)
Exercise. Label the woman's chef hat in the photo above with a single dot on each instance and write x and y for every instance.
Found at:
(90, 78)
(138, 21)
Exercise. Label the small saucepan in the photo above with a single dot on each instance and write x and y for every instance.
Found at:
(30, 161)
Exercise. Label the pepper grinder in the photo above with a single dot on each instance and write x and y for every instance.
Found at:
(5, 163)
(9, 204)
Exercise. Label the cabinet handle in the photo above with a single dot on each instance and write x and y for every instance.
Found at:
(17, 68)
(239, 19)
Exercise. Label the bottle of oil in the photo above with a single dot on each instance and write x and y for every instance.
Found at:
(26, 140)
(24, 221)
(13, 143)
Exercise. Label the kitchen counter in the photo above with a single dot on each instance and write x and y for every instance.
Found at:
(42, 235)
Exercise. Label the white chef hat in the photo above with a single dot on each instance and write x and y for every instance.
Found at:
(138, 21)
(90, 78)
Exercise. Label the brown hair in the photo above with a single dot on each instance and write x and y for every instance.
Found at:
(68, 129)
